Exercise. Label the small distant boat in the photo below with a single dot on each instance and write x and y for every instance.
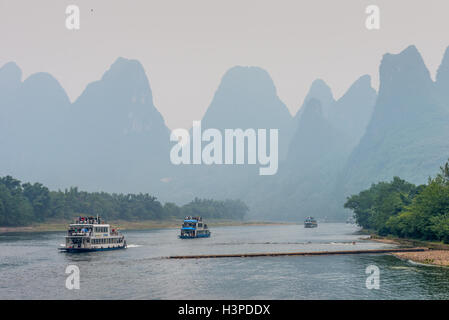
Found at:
(193, 227)
(310, 222)
(92, 234)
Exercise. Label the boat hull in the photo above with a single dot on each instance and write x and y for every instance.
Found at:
(193, 237)
(310, 225)
(80, 250)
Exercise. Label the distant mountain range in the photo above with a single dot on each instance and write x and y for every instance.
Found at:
(113, 138)
(408, 132)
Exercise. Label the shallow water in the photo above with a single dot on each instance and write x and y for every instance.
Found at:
(32, 268)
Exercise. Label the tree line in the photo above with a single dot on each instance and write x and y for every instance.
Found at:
(403, 209)
(25, 203)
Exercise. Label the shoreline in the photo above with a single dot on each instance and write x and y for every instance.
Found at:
(436, 255)
(136, 225)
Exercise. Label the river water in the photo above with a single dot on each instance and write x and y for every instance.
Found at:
(32, 268)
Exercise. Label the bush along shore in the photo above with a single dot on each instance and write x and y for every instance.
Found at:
(28, 205)
(407, 214)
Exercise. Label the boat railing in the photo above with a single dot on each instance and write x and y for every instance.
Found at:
(193, 218)
(89, 220)
(80, 233)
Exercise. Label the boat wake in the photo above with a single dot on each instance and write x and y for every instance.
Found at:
(133, 245)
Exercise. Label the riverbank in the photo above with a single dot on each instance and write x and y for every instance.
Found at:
(438, 253)
(135, 225)
(431, 257)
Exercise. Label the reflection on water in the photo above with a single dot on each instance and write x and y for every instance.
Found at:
(31, 267)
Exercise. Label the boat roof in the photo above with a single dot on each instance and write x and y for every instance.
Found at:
(190, 220)
(88, 225)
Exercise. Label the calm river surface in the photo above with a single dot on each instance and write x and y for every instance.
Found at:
(32, 268)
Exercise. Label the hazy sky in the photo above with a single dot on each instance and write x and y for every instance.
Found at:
(186, 46)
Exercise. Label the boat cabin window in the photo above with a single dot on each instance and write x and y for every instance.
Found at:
(78, 230)
(106, 241)
(189, 224)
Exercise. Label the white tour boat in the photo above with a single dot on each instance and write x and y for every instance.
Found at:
(92, 234)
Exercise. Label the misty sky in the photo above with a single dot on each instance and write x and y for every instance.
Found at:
(186, 46)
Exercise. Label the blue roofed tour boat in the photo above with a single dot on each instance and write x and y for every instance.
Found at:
(193, 227)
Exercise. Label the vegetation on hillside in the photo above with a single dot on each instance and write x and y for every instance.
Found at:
(24, 203)
(402, 209)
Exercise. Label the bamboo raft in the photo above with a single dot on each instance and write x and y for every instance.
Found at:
(311, 253)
